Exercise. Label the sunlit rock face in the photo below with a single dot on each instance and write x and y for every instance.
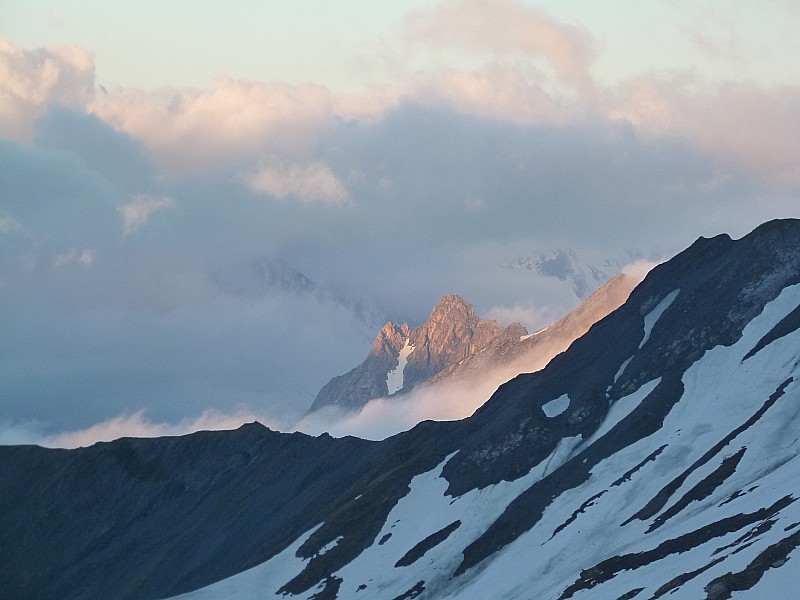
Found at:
(451, 333)
(656, 457)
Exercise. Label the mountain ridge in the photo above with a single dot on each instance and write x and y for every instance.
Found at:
(618, 470)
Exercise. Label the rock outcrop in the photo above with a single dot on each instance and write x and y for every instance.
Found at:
(368, 380)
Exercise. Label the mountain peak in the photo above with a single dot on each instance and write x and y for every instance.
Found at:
(451, 333)
(450, 302)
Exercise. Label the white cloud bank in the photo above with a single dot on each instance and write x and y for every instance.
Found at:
(495, 111)
(134, 425)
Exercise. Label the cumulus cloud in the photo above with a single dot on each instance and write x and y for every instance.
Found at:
(138, 211)
(32, 80)
(504, 27)
(516, 94)
(235, 119)
(311, 182)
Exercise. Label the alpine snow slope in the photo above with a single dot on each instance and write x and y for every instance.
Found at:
(657, 456)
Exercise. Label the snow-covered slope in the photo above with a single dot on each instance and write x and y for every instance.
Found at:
(656, 457)
(687, 486)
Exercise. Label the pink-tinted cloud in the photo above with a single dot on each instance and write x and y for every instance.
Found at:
(515, 94)
(31, 80)
(503, 27)
(234, 120)
(754, 126)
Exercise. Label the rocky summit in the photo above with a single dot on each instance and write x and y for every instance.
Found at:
(451, 334)
(657, 457)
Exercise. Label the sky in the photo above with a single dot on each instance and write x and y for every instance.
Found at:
(207, 212)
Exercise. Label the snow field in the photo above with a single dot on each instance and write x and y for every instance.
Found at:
(426, 510)
(716, 410)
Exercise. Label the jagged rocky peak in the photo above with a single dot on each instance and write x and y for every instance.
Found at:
(390, 341)
(401, 358)
(451, 333)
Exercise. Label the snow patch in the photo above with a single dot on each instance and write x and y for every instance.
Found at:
(556, 407)
(522, 338)
(329, 546)
(394, 378)
(266, 576)
(622, 408)
(654, 315)
(622, 368)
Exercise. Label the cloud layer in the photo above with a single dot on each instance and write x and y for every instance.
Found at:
(230, 249)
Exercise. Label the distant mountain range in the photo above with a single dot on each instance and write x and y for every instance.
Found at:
(583, 275)
(658, 456)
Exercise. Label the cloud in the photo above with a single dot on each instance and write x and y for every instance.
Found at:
(384, 417)
(139, 425)
(83, 258)
(312, 182)
(116, 156)
(9, 225)
(452, 171)
(764, 139)
(235, 119)
(444, 400)
(32, 80)
(506, 27)
(521, 313)
(639, 269)
(516, 94)
(138, 211)
(14, 433)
